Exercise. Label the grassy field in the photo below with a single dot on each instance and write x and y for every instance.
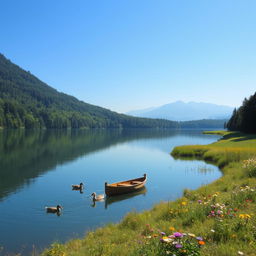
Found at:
(215, 220)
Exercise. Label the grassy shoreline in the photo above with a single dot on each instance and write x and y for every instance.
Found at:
(222, 213)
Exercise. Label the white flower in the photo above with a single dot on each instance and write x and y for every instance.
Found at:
(240, 253)
(212, 230)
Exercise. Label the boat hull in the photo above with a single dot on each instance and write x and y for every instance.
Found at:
(125, 187)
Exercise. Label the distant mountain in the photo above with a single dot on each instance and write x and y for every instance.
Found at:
(27, 102)
(180, 111)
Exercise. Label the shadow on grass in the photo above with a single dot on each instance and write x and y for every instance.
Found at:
(238, 136)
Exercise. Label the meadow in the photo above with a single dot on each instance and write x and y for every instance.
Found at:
(215, 220)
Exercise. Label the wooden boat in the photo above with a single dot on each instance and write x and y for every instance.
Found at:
(124, 187)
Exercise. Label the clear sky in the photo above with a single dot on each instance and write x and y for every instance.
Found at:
(133, 54)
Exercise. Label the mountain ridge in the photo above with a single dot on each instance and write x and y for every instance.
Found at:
(181, 111)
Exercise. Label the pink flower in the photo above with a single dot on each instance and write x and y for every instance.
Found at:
(178, 234)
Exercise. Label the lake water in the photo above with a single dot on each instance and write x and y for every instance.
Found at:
(38, 168)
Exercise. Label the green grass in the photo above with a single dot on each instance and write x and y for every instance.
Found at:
(223, 213)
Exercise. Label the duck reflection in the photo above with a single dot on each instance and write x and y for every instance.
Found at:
(79, 187)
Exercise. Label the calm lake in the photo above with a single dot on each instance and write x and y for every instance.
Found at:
(37, 169)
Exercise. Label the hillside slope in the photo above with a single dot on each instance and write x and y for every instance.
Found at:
(25, 101)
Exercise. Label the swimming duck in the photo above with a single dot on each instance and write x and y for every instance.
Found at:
(97, 197)
(78, 187)
(56, 209)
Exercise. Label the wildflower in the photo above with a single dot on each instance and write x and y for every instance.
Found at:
(178, 234)
(162, 233)
(199, 201)
(199, 238)
(244, 216)
(166, 239)
(212, 230)
(178, 246)
(191, 235)
(201, 242)
(183, 203)
(240, 253)
(171, 228)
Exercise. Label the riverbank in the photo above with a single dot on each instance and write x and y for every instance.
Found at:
(220, 215)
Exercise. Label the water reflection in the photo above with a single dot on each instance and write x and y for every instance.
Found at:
(114, 199)
(25, 155)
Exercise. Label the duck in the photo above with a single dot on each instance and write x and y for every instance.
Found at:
(78, 187)
(97, 197)
(56, 209)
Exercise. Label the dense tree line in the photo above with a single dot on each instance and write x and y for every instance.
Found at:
(25, 101)
(244, 118)
(204, 124)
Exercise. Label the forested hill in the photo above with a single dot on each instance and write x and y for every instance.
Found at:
(25, 101)
(244, 118)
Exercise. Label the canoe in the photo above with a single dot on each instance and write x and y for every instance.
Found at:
(124, 187)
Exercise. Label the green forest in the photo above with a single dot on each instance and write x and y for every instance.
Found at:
(27, 102)
(244, 118)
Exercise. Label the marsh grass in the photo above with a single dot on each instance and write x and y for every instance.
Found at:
(222, 213)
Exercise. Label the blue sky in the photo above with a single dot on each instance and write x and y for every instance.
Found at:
(132, 54)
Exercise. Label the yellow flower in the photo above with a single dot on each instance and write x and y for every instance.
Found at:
(167, 239)
(241, 216)
(183, 203)
(247, 216)
(171, 228)
(244, 216)
(191, 235)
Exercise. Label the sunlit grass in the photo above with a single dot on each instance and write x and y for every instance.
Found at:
(221, 213)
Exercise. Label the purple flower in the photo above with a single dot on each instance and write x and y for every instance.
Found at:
(178, 234)
(162, 233)
(178, 246)
(199, 201)
(199, 238)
